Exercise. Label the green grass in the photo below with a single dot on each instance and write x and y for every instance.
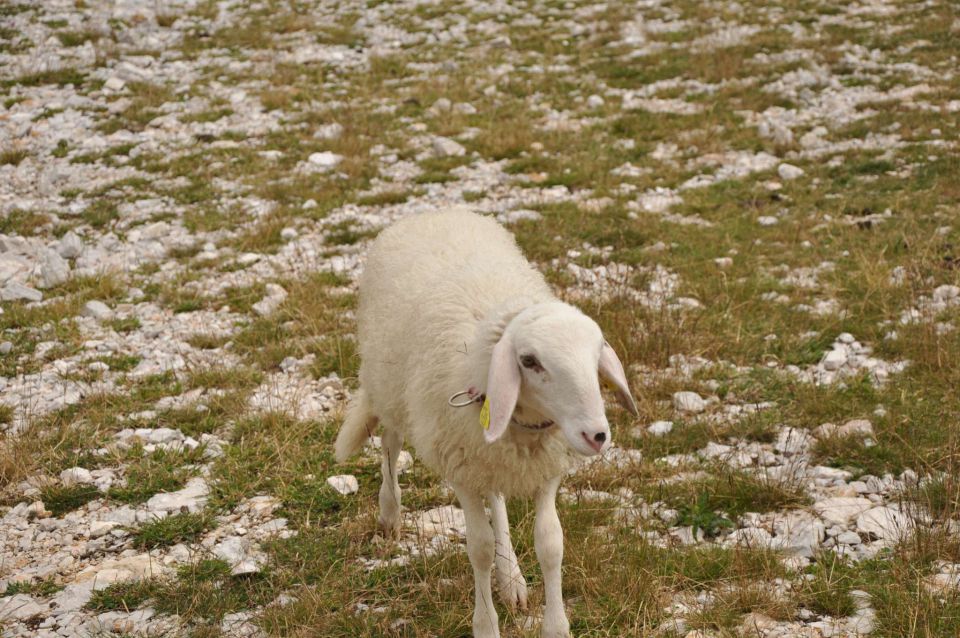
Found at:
(310, 320)
(77, 38)
(178, 528)
(827, 592)
(41, 588)
(60, 500)
(161, 471)
(123, 596)
(12, 157)
(60, 77)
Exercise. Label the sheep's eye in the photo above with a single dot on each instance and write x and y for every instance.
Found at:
(529, 361)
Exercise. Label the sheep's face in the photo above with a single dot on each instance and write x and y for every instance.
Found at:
(547, 365)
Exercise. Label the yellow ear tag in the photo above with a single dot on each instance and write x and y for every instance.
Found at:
(485, 414)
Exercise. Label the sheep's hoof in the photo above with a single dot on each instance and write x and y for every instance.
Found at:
(391, 529)
(513, 590)
(555, 629)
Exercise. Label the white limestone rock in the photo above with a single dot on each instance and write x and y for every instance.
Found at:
(689, 402)
(344, 484)
(191, 498)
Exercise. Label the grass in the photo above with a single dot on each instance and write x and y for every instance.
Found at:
(177, 528)
(122, 596)
(59, 77)
(161, 471)
(40, 588)
(60, 500)
(12, 157)
(21, 222)
(532, 142)
(827, 590)
(309, 321)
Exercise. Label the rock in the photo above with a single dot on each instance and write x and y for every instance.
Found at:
(863, 620)
(269, 304)
(595, 102)
(240, 625)
(54, 270)
(944, 583)
(72, 598)
(97, 309)
(686, 535)
(20, 607)
(834, 359)
(131, 568)
(856, 427)
(330, 131)
(325, 160)
(114, 83)
(798, 532)
(191, 498)
(289, 234)
(689, 402)
(789, 171)
(659, 428)
(884, 523)
(755, 537)
(238, 553)
(447, 521)
(767, 220)
(76, 475)
(946, 292)
(344, 484)
(841, 510)
(404, 461)
(70, 245)
(792, 441)
(101, 528)
(848, 538)
(521, 214)
(442, 105)
(6, 347)
(37, 510)
(16, 291)
(776, 132)
(445, 147)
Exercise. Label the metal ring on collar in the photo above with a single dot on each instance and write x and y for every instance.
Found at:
(452, 399)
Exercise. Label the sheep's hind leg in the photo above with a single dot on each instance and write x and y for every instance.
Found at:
(390, 443)
(548, 540)
(510, 582)
(480, 550)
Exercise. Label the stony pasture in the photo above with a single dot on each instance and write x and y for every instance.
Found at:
(759, 201)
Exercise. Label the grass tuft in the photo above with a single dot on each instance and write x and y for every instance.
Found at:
(178, 528)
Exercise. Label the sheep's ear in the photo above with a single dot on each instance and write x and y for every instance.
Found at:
(503, 388)
(612, 370)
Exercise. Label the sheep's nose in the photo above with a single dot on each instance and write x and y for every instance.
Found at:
(595, 439)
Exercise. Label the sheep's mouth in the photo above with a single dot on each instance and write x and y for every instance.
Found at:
(596, 446)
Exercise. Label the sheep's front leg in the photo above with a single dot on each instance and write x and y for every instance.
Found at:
(512, 586)
(480, 549)
(390, 443)
(548, 540)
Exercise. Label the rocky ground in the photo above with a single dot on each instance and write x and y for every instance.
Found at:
(758, 201)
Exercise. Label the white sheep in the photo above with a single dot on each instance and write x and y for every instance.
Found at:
(448, 305)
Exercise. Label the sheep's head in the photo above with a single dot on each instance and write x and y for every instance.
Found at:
(549, 361)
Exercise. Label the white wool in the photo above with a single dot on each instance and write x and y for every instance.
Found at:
(428, 321)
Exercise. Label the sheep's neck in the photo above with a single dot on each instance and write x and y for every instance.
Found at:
(536, 423)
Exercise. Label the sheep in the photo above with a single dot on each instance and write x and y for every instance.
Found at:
(448, 305)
